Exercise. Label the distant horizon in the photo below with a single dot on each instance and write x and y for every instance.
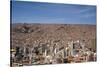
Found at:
(50, 23)
(52, 13)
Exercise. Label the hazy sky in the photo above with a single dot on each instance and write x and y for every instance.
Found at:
(36, 12)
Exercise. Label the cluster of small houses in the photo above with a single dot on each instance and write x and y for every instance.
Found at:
(44, 53)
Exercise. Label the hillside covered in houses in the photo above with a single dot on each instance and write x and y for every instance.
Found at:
(52, 43)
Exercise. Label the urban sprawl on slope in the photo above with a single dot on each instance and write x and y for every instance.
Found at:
(51, 49)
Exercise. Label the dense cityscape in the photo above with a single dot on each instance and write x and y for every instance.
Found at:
(42, 47)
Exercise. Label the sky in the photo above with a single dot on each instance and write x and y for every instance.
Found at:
(52, 13)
